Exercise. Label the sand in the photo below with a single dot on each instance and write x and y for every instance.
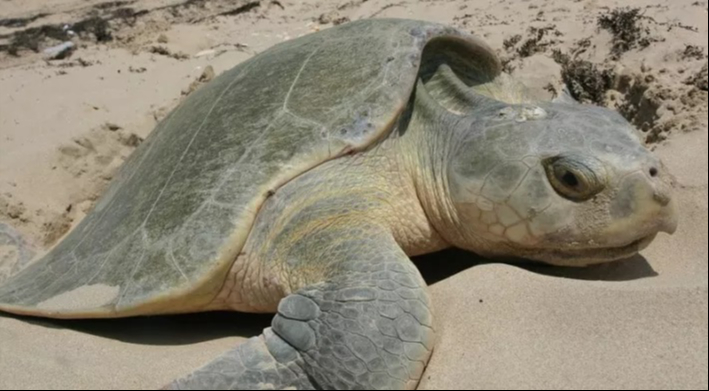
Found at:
(67, 125)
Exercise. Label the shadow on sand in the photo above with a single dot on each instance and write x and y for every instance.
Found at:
(443, 265)
(195, 328)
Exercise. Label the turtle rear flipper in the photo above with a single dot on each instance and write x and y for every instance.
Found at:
(262, 363)
(15, 252)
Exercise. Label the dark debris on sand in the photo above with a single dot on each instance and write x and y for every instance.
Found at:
(692, 52)
(538, 41)
(586, 81)
(700, 79)
(20, 22)
(94, 28)
(625, 24)
(106, 19)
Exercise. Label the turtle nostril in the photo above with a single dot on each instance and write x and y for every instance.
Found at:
(654, 172)
(662, 198)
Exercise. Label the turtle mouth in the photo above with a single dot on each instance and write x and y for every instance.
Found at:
(592, 255)
(631, 248)
(634, 247)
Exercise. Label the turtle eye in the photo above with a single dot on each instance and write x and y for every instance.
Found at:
(573, 179)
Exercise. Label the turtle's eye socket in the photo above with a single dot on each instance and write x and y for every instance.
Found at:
(573, 178)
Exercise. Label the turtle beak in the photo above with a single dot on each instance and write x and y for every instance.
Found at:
(645, 205)
(669, 222)
(663, 189)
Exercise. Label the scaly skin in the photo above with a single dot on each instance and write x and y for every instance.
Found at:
(366, 325)
(329, 255)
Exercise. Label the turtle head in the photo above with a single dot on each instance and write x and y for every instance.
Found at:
(561, 183)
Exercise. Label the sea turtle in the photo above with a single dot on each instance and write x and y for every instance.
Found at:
(301, 181)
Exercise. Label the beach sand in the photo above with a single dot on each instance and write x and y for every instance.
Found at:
(67, 125)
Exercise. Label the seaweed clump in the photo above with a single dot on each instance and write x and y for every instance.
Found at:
(628, 33)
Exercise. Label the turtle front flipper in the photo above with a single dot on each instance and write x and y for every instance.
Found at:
(262, 363)
(367, 326)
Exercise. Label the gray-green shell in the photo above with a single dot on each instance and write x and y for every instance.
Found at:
(163, 236)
